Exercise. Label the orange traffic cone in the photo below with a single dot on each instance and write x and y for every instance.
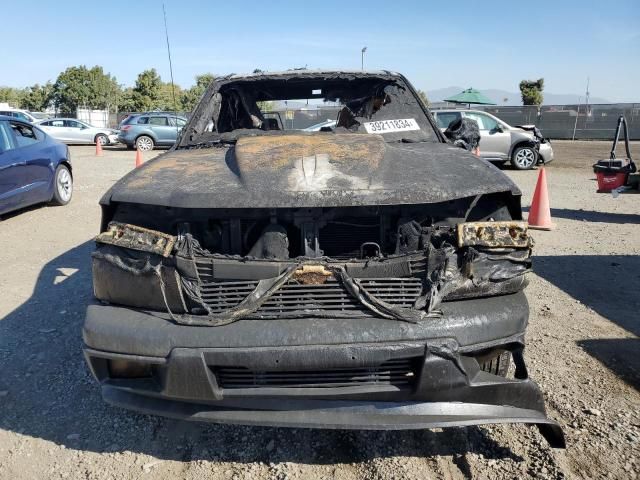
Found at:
(540, 213)
(98, 149)
(139, 160)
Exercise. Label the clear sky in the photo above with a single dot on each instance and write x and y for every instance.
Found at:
(488, 44)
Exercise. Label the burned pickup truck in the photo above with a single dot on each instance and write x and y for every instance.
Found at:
(368, 275)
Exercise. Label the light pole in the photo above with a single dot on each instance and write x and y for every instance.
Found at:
(364, 49)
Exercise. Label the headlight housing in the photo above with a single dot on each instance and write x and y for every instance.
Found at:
(131, 266)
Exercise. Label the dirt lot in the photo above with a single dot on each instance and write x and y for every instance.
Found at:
(583, 349)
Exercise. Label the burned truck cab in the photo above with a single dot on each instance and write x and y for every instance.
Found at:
(368, 276)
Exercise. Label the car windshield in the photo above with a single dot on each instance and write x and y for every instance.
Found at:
(345, 103)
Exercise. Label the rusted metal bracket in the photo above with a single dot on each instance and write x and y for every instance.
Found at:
(494, 234)
(137, 238)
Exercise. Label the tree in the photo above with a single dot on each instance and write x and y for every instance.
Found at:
(126, 100)
(83, 87)
(531, 91)
(147, 90)
(166, 97)
(266, 105)
(190, 98)
(38, 97)
(12, 96)
(423, 97)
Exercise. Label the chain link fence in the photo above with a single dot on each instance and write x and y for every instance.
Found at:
(579, 122)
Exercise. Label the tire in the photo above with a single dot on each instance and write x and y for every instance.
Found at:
(144, 143)
(497, 365)
(102, 139)
(62, 186)
(524, 158)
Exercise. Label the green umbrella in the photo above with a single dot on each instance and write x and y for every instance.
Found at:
(470, 96)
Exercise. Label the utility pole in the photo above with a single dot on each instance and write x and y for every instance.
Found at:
(575, 124)
(364, 49)
(587, 97)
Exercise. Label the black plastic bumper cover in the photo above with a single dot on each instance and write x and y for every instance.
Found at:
(336, 414)
(447, 388)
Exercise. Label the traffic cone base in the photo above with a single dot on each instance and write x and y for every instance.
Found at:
(540, 213)
(547, 228)
(139, 160)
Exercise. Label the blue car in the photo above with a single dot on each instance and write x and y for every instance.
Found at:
(34, 168)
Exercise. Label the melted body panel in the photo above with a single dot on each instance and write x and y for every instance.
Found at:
(357, 170)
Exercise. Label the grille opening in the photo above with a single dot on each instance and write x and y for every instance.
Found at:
(342, 238)
(294, 297)
(401, 373)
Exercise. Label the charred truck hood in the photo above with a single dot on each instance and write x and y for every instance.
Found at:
(312, 170)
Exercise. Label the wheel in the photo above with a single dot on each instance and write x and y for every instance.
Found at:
(63, 186)
(102, 139)
(144, 143)
(497, 365)
(524, 158)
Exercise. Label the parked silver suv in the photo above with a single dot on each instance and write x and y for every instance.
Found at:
(500, 142)
(147, 130)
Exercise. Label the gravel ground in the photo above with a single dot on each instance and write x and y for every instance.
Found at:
(583, 350)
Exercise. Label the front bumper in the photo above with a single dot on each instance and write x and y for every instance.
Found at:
(445, 386)
(352, 415)
(125, 139)
(546, 153)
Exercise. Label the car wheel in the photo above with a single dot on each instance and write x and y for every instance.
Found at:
(63, 186)
(497, 365)
(144, 143)
(101, 139)
(524, 158)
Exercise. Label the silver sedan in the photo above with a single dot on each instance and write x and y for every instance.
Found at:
(70, 130)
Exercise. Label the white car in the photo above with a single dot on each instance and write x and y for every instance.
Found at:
(70, 130)
(522, 145)
(19, 114)
(316, 128)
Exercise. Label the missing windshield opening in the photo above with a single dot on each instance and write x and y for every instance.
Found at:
(340, 103)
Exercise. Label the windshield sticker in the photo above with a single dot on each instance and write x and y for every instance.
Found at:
(389, 126)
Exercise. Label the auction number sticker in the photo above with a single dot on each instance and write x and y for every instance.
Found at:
(389, 126)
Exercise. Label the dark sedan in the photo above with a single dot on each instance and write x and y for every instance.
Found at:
(34, 168)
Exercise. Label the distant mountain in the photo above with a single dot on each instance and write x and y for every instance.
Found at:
(513, 98)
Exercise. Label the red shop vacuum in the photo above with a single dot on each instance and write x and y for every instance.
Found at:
(614, 173)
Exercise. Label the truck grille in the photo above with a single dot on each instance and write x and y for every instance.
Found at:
(330, 296)
(401, 373)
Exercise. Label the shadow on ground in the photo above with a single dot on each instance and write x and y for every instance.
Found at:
(48, 393)
(592, 216)
(610, 285)
(620, 355)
